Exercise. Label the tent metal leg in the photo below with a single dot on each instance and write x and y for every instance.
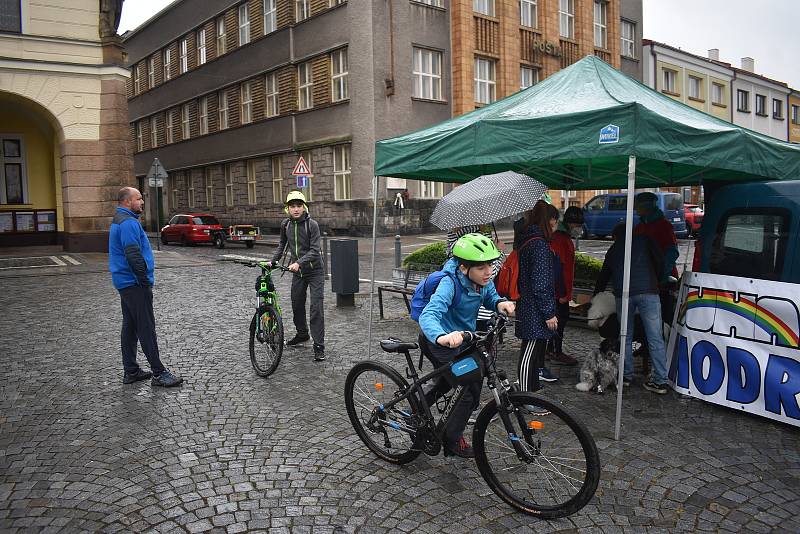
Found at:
(375, 182)
(626, 282)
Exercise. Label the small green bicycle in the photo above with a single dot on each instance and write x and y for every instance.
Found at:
(266, 327)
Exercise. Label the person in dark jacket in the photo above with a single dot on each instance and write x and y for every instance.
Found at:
(536, 308)
(646, 264)
(300, 237)
(130, 260)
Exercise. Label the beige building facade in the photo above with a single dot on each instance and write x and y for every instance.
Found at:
(64, 144)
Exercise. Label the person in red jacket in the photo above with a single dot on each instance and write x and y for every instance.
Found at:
(654, 225)
(564, 248)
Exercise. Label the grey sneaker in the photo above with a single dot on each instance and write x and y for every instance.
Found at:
(659, 389)
(319, 353)
(140, 374)
(167, 380)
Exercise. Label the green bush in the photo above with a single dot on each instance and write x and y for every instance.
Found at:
(587, 269)
(433, 254)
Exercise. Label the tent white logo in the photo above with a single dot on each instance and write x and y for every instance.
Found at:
(609, 134)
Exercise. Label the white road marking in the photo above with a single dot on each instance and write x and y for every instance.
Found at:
(72, 260)
(57, 261)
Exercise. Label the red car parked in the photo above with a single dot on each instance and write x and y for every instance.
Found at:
(694, 218)
(190, 229)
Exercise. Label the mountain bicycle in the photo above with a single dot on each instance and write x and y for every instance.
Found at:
(532, 452)
(266, 327)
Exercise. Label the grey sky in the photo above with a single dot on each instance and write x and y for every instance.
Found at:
(765, 30)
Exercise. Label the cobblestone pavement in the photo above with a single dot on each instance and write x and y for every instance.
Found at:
(232, 452)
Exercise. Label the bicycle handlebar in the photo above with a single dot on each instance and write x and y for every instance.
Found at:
(264, 265)
(497, 322)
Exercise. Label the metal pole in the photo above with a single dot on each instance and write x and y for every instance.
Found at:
(158, 217)
(375, 183)
(397, 251)
(325, 253)
(626, 283)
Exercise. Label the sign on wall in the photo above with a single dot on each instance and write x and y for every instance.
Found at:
(735, 342)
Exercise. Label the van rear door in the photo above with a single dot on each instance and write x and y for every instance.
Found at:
(672, 206)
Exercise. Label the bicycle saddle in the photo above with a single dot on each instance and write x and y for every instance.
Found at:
(395, 345)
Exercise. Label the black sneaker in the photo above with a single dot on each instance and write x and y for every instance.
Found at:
(140, 374)
(546, 376)
(167, 380)
(296, 340)
(319, 352)
(462, 449)
(659, 389)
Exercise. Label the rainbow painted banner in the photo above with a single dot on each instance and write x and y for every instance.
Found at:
(736, 342)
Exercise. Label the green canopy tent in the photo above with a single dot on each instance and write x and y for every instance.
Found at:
(588, 127)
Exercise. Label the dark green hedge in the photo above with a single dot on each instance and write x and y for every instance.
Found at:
(433, 254)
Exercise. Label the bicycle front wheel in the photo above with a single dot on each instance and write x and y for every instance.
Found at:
(559, 468)
(389, 433)
(266, 340)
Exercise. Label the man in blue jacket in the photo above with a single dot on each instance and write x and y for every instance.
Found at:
(130, 260)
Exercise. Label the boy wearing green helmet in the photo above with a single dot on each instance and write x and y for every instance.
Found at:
(442, 323)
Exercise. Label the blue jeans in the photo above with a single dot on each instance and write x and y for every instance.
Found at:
(649, 306)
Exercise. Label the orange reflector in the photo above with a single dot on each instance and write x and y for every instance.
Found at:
(379, 386)
(535, 425)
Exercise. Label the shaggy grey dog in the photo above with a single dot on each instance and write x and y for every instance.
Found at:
(599, 370)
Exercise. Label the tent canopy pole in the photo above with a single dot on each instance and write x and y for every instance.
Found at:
(375, 183)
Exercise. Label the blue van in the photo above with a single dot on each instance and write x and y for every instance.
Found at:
(603, 212)
(750, 230)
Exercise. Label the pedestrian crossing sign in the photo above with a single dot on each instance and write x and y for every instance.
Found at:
(301, 169)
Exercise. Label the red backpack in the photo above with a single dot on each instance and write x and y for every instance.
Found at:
(507, 281)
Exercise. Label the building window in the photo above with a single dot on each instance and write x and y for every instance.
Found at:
(222, 109)
(339, 77)
(485, 7)
(139, 138)
(184, 55)
(209, 179)
(13, 178)
(341, 173)
(247, 103)
(151, 72)
(777, 109)
(668, 84)
(528, 76)
(600, 24)
(137, 80)
(566, 18)
(170, 122)
(484, 80)
(251, 182)
(527, 13)
(221, 36)
(271, 91)
(190, 189)
(427, 72)
(718, 94)
(742, 100)
(305, 86)
(307, 190)
(795, 114)
(696, 88)
(302, 10)
(270, 16)
(153, 132)
(185, 125)
(277, 180)
(167, 61)
(11, 16)
(628, 39)
(202, 113)
(228, 185)
(244, 25)
(173, 201)
(436, 3)
(201, 46)
(431, 189)
(761, 105)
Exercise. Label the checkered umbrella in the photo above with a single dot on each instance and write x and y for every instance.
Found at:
(487, 199)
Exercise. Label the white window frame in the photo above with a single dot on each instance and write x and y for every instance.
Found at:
(342, 177)
(695, 87)
(528, 13)
(431, 189)
(229, 185)
(277, 180)
(795, 114)
(167, 60)
(251, 181)
(221, 36)
(183, 47)
(668, 80)
(485, 80)
(153, 132)
(170, 129)
(137, 79)
(244, 24)
(186, 126)
(174, 197)
(435, 3)
(779, 114)
(762, 108)
(305, 86)
(222, 110)
(484, 7)
(202, 115)
(246, 105)
(528, 76)
(201, 46)
(271, 93)
(151, 72)
(427, 73)
(742, 96)
(190, 189)
(566, 18)
(600, 24)
(209, 183)
(339, 75)
(627, 35)
(718, 99)
(302, 10)
(139, 137)
(270, 16)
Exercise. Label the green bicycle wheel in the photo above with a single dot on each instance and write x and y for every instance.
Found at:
(266, 343)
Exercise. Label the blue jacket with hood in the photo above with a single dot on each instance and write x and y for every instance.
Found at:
(130, 258)
(440, 317)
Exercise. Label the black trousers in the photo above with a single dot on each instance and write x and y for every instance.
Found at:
(531, 359)
(562, 314)
(315, 281)
(139, 324)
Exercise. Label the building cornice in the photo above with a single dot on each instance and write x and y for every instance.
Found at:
(62, 67)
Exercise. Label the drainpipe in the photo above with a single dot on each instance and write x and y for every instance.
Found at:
(737, 103)
(655, 66)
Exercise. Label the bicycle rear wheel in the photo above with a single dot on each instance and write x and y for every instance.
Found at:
(562, 466)
(266, 343)
(392, 434)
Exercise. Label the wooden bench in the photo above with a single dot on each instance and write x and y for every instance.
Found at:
(404, 282)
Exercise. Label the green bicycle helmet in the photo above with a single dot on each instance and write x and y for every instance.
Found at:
(475, 248)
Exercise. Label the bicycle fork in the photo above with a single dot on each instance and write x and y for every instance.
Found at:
(505, 409)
